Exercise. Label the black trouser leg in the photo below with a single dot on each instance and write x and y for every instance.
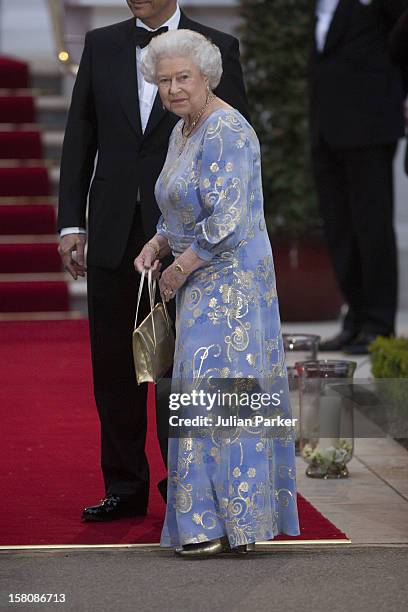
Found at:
(370, 187)
(121, 402)
(334, 204)
(355, 189)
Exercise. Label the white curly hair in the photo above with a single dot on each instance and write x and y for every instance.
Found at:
(184, 43)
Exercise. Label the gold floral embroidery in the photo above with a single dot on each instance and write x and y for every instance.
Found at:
(225, 332)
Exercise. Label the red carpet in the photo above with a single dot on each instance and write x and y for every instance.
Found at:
(17, 109)
(24, 182)
(49, 455)
(41, 296)
(27, 219)
(19, 215)
(27, 258)
(20, 145)
(13, 73)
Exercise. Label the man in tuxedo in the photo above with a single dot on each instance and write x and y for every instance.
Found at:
(118, 117)
(356, 119)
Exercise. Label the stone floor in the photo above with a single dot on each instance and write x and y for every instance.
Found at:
(371, 506)
(335, 578)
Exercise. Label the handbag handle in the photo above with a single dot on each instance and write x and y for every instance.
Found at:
(152, 296)
(151, 284)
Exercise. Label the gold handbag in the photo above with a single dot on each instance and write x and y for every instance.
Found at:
(153, 339)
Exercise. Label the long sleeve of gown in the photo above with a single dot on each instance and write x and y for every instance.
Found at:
(224, 177)
(161, 226)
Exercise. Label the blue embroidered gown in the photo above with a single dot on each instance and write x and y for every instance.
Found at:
(210, 194)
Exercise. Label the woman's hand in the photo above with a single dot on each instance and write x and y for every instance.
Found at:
(148, 258)
(172, 279)
(170, 282)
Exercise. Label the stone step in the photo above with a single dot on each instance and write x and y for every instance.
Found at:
(48, 80)
(29, 239)
(52, 111)
(25, 92)
(34, 277)
(29, 163)
(52, 144)
(40, 316)
(54, 176)
(27, 200)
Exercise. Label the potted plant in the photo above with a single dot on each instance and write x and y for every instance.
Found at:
(389, 365)
(276, 40)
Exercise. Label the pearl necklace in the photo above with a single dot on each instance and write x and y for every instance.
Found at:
(186, 132)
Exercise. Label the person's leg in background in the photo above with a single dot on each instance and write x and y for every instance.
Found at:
(121, 402)
(331, 184)
(371, 193)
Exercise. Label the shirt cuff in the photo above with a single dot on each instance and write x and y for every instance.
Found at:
(202, 253)
(72, 230)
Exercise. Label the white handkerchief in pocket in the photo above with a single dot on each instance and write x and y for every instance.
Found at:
(365, 2)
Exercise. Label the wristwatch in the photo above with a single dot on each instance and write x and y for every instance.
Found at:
(179, 268)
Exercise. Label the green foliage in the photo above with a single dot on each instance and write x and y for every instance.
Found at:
(389, 360)
(275, 41)
(389, 357)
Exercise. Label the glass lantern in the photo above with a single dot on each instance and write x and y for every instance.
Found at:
(326, 416)
(298, 347)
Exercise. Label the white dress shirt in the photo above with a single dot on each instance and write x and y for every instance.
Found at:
(325, 10)
(147, 92)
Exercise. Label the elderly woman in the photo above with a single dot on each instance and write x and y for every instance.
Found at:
(228, 491)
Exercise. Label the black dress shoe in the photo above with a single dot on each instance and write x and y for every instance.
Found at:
(360, 344)
(338, 342)
(111, 508)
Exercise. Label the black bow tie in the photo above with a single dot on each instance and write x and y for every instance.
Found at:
(143, 36)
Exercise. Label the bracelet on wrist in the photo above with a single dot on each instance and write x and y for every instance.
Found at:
(154, 247)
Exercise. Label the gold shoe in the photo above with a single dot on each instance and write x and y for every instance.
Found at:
(203, 549)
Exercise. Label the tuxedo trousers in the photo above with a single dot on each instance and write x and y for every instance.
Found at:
(355, 193)
(121, 402)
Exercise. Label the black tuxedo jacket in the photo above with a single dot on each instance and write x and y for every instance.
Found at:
(356, 89)
(399, 50)
(104, 119)
(399, 41)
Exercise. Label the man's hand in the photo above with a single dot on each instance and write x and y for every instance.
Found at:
(70, 244)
